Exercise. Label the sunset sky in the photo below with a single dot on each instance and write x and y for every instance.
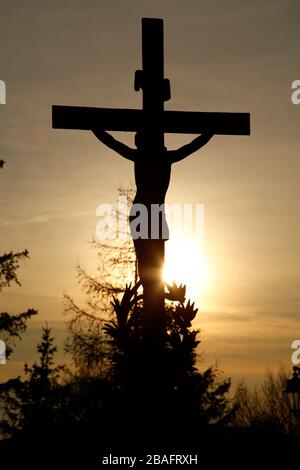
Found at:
(233, 55)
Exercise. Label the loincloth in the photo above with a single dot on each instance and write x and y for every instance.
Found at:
(148, 222)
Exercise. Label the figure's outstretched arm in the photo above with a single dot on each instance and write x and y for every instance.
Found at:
(188, 149)
(111, 142)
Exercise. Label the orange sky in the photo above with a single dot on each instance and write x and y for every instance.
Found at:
(220, 56)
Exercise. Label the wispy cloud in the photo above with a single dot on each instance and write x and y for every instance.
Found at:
(46, 218)
(228, 316)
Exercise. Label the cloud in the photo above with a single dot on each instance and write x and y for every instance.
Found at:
(228, 316)
(45, 218)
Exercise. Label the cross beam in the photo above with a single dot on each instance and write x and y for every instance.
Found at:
(156, 90)
(132, 120)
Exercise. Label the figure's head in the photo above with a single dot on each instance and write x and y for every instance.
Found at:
(139, 140)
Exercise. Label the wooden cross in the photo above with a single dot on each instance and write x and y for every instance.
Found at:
(153, 121)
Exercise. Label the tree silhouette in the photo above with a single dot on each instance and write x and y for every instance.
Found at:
(34, 404)
(11, 326)
(117, 262)
(167, 379)
(263, 407)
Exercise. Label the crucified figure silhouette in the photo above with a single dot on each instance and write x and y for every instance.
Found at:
(152, 177)
(152, 161)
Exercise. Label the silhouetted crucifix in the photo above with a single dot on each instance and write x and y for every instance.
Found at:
(151, 159)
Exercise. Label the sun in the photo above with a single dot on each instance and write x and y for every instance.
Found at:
(185, 263)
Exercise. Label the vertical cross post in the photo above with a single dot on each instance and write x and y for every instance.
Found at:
(152, 84)
(152, 81)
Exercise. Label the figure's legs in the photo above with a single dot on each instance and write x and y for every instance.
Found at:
(150, 258)
(150, 255)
